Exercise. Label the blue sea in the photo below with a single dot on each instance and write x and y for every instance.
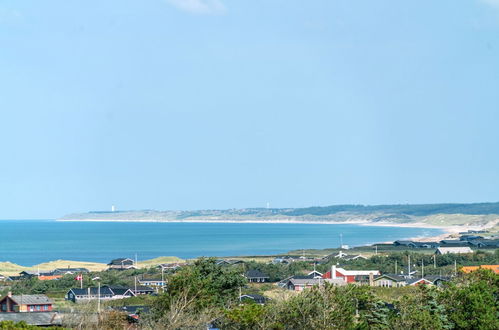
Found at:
(29, 242)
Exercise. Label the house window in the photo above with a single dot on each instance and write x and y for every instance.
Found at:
(45, 307)
(38, 308)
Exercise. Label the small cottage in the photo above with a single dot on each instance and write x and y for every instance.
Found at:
(256, 276)
(93, 293)
(25, 303)
(121, 264)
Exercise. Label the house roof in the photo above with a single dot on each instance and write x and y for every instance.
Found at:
(121, 290)
(143, 288)
(254, 273)
(120, 261)
(228, 261)
(485, 242)
(393, 277)
(104, 291)
(353, 257)
(401, 242)
(417, 244)
(434, 278)
(469, 269)
(463, 249)
(469, 237)
(39, 318)
(305, 281)
(414, 281)
(427, 243)
(31, 299)
(255, 297)
(453, 241)
(151, 280)
(314, 272)
(70, 270)
(33, 273)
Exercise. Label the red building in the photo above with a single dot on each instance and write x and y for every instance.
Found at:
(25, 303)
(348, 275)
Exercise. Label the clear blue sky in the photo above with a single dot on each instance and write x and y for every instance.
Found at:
(190, 104)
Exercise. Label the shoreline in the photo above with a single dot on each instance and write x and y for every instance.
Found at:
(318, 222)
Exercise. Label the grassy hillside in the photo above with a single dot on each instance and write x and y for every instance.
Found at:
(8, 268)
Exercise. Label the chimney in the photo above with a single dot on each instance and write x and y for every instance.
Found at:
(9, 294)
(371, 279)
(333, 271)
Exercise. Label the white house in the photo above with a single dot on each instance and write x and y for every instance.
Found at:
(447, 250)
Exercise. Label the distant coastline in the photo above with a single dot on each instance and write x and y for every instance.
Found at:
(450, 218)
(445, 216)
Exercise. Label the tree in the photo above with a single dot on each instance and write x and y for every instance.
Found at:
(195, 289)
(472, 303)
(421, 310)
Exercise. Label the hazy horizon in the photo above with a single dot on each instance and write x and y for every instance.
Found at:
(217, 104)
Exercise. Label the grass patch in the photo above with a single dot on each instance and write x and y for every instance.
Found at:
(157, 261)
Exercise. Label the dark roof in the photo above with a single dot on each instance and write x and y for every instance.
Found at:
(152, 280)
(434, 278)
(453, 242)
(434, 244)
(70, 270)
(469, 237)
(394, 277)
(121, 261)
(485, 242)
(417, 244)
(228, 261)
(16, 278)
(29, 273)
(254, 297)
(302, 277)
(143, 288)
(253, 273)
(120, 290)
(104, 291)
(31, 299)
(399, 242)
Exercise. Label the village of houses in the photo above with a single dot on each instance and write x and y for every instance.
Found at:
(342, 269)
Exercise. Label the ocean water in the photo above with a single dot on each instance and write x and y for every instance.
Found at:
(29, 242)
